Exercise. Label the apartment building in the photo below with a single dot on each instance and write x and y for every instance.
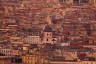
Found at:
(32, 59)
(32, 40)
(66, 62)
(16, 40)
(9, 52)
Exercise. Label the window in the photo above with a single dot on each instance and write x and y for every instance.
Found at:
(61, 1)
(81, 1)
(84, 1)
(47, 34)
(76, 1)
(47, 39)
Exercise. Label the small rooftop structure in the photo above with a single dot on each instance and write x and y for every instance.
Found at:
(48, 29)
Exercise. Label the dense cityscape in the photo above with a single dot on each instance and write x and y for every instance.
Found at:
(48, 32)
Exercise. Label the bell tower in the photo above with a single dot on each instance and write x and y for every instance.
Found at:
(47, 35)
